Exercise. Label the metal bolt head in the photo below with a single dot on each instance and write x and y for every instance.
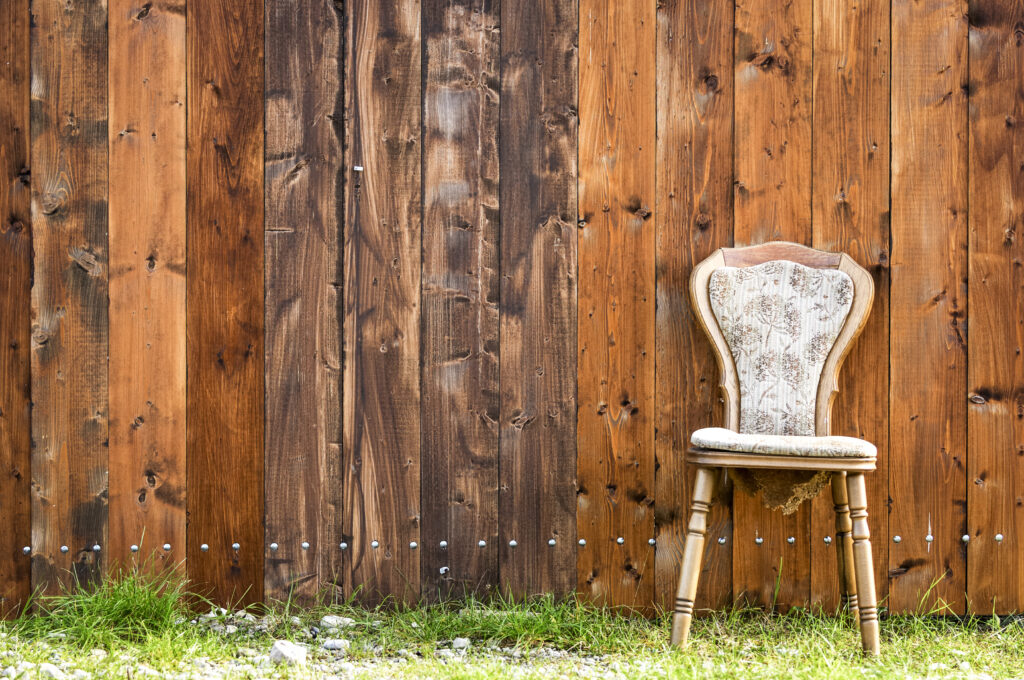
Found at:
(999, 538)
(583, 542)
(374, 544)
(274, 546)
(167, 547)
(759, 540)
(204, 547)
(96, 548)
(305, 545)
(651, 541)
(133, 548)
(929, 538)
(513, 543)
(620, 540)
(413, 545)
(965, 538)
(64, 549)
(791, 540)
(482, 543)
(896, 539)
(551, 542)
(721, 540)
(343, 546)
(236, 546)
(828, 540)
(444, 570)
(443, 544)
(27, 550)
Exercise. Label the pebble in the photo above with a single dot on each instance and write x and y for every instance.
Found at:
(331, 621)
(285, 652)
(295, 621)
(461, 643)
(48, 670)
(337, 644)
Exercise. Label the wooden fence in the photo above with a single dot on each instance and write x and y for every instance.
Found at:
(392, 297)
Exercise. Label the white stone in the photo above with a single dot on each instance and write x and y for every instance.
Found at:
(461, 643)
(80, 674)
(337, 644)
(283, 651)
(48, 670)
(295, 621)
(331, 621)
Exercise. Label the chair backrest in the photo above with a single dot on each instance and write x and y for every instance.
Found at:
(781, 318)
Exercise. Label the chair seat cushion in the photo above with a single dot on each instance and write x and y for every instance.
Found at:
(721, 439)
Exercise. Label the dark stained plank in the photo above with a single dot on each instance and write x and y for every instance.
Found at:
(303, 166)
(851, 214)
(460, 292)
(15, 307)
(928, 363)
(538, 143)
(772, 201)
(694, 218)
(381, 393)
(147, 281)
(616, 319)
(69, 294)
(995, 381)
(224, 300)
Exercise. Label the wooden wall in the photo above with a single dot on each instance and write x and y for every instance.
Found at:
(392, 300)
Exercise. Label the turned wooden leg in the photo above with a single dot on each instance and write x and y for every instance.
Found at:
(844, 544)
(862, 562)
(692, 553)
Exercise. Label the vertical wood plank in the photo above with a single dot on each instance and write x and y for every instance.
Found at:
(694, 218)
(538, 143)
(851, 214)
(927, 400)
(69, 292)
(616, 301)
(460, 402)
(15, 307)
(224, 298)
(381, 392)
(304, 120)
(147, 281)
(772, 201)
(995, 382)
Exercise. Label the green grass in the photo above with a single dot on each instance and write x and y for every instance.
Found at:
(133, 627)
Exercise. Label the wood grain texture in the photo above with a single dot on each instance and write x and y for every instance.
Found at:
(460, 294)
(224, 299)
(694, 217)
(15, 308)
(927, 403)
(381, 385)
(538, 144)
(851, 215)
(995, 381)
(69, 292)
(772, 201)
(147, 281)
(616, 317)
(302, 180)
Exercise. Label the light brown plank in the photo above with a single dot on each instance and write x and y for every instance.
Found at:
(381, 393)
(927, 404)
(772, 201)
(303, 166)
(15, 308)
(694, 217)
(147, 282)
(851, 214)
(69, 292)
(539, 86)
(995, 381)
(224, 298)
(616, 317)
(461, 286)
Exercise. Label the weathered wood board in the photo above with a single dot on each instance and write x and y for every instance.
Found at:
(69, 292)
(147, 282)
(224, 299)
(694, 217)
(616, 302)
(381, 371)
(303, 177)
(928, 299)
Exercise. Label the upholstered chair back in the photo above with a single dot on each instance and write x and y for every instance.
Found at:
(781, 317)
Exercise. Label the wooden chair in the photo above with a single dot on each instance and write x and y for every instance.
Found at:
(746, 297)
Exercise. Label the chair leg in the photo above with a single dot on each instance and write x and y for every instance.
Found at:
(692, 553)
(844, 545)
(862, 562)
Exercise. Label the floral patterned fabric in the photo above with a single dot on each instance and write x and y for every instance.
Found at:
(780, 320)
(721, 439)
